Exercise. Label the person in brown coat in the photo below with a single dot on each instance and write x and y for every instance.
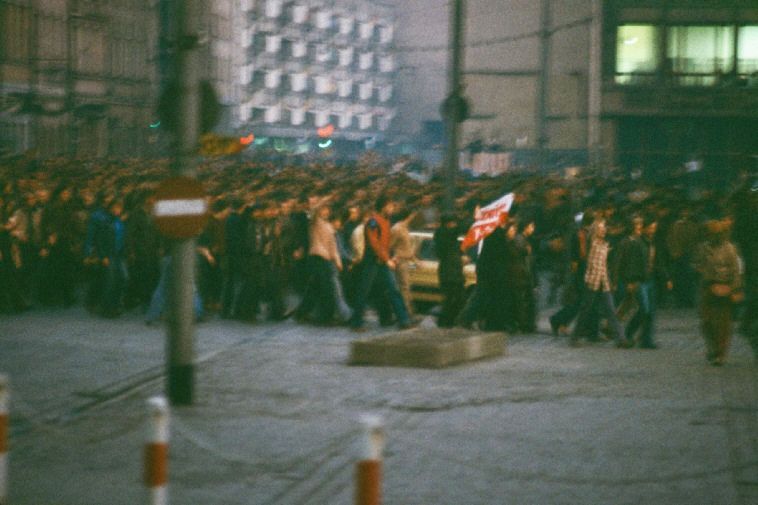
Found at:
(718, 263)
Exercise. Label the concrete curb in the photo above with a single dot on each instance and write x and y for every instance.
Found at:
(427, 348)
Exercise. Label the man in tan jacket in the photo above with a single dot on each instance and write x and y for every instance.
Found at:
(322, 254)
(404, 253)
(718, 263)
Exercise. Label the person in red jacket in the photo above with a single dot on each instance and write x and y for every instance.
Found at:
(377, 266)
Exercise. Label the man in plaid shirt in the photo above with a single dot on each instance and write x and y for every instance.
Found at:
(597, 290)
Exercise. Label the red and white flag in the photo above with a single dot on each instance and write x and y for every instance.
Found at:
(487, 219)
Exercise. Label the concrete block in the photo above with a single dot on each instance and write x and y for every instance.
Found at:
(427, 348)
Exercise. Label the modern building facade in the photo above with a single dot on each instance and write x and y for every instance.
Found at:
(318, 68)
(640, 83)
(680, 82)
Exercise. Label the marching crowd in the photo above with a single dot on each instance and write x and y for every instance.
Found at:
(608, 248)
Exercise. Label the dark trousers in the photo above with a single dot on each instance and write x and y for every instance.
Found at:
(453, 298)
(526, 309)
(233, 282)
(472, 309)
(58, 276)
(716, 321)
(319, 294)
(750, 307)
(572, 300)
(376, 276)
(597, 304)
(645, 316)
(115, 282)
(248, 301)
(211, 281)
(684, 279)
(276, 284)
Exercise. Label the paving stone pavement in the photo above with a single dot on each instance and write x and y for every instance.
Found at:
(275, 419)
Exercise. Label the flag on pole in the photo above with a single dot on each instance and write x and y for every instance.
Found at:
(487, 219)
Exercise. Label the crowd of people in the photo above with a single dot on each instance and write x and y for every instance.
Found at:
(607, 247)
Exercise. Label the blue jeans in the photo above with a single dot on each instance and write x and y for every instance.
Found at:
(115, 282)
(158, 300)
(645, 315)
(373, 273)
(343, 309)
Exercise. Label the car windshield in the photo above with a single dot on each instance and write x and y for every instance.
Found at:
(426, 250)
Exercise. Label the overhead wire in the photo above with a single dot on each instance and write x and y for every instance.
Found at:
(496, 40)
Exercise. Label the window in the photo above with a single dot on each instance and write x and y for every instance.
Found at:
(747, 50)
(637, 50)
(15, 22)
(698, 54)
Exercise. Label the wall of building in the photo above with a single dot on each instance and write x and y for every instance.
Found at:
(224, 57)
(588, 107)
(82, 77)
(501, 70)
(84, 83)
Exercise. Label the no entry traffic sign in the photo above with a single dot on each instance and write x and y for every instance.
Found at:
(181, 208)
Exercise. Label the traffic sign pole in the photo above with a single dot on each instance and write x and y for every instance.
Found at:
(180, 342)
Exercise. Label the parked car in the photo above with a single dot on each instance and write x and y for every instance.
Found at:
(425, 286)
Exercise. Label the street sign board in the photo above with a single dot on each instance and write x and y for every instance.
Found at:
(181, 208)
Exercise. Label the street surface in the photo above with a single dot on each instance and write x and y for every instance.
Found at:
(276, 418)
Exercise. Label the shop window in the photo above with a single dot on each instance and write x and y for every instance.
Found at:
(637, 53)
(700, 55)
(747, 51)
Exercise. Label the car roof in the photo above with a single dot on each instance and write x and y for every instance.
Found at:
(422, 234)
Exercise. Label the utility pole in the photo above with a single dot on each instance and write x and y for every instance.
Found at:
(594, 82)
(542, 138)
(166, 69)
(455, 104)
(180, 342)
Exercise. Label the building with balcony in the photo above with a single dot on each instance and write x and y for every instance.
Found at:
(314, 63)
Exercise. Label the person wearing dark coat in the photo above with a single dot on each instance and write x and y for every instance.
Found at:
(746, 239)
(212, 263)
(234, 237)
(143, 254)
(251, 293)
(492, 274)
(577, 260)
(58, 273)
(450, 271)
(639, 267)
(526, 281)
(106, 248)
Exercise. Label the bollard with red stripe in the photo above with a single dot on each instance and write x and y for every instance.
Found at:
(368, 477)
(156, 451)
(4, 397)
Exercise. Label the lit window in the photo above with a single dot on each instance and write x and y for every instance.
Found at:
(747, 50)
(699, 53)
(637, 49)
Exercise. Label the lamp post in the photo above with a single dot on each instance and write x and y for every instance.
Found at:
(454, 107)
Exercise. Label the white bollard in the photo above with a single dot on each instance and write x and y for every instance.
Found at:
(4, 397)
(156, 451)
(368, 477)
